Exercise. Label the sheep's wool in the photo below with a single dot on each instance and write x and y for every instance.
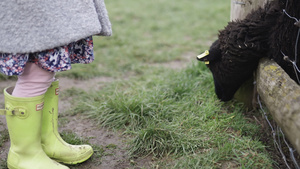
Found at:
(35, 25)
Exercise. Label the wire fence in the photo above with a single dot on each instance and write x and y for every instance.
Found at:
(279, 139)
(286, 151)
(286, 58)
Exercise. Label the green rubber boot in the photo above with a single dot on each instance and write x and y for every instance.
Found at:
(54, 146)
(24, 117)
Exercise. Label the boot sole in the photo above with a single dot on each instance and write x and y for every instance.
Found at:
(74, 162)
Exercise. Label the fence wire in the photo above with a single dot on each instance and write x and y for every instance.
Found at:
(280, 141)
(279, 138)
(286, 58)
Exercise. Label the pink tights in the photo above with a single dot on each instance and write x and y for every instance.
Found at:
(33, 82)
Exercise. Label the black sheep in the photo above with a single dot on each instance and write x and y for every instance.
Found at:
(234, 57)
(284, 35)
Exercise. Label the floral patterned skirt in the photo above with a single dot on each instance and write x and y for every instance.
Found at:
(53, 60)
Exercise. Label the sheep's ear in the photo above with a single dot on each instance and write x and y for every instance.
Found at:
(212, 55)
(203, 57)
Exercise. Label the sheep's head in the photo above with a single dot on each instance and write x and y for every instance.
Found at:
(228, 74)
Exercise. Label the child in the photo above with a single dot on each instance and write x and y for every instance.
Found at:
(39, 38)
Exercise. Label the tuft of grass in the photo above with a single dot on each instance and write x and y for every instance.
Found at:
(159, 141)
(4, 136)
(4, 77)
(111, 146)
(178, 115)
(72, 138)
(3, 164)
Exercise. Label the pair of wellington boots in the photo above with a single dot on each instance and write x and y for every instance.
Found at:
(32, 127)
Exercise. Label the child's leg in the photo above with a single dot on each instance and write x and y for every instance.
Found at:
(24, 120)
(33, 82)
(36, 82)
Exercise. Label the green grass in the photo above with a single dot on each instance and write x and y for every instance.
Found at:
(3, 138)
(177, 115)
(156, 31)
(170, 114)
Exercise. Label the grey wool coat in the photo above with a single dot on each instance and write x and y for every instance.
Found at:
(28, 26)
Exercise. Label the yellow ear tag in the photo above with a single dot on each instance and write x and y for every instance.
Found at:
(203, 54)
(207, 62)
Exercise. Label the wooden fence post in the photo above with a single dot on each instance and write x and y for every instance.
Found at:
(240, 8)
(281, 96)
